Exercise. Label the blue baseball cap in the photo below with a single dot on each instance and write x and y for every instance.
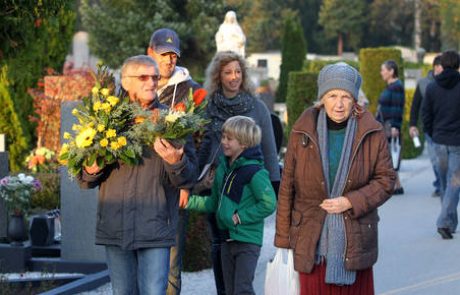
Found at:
(165, 40)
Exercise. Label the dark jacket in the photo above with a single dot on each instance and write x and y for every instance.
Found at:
(138, 205)
(419, 95)
(179, 85)
(440, 110)
(391, 105)
(261, 116)
(243, 187)
(370, 182)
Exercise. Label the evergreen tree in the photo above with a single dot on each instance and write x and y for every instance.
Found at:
(119, 29)
(293, 53)
(35, 36)
(450, 28)
(341, 19)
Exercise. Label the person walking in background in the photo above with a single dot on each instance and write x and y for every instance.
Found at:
(174, 86)
(241, 197)
(231, 93)
(419, 95)
(337, 172)
(391, 109)
(441, 120)
(138, 205)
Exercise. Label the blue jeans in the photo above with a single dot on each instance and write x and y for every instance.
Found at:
(448, 167)
(432, 155)
(142, 271)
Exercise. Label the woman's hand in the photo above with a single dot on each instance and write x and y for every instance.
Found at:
(93, 169)
(167, 152)
(183, 198)
(336, 205)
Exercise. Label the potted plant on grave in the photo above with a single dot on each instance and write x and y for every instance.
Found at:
(17, 191)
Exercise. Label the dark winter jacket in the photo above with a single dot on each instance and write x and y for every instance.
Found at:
(259, 112)
(370, 182)
(441, 108)
(138, 205)
(419, 95)
(180, 83)
(391, 104)
(244, 188)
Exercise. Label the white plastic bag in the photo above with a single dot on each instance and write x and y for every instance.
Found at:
(395, 148)
(281, 278)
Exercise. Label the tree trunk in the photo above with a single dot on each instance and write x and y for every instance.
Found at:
(340, 44)
(417, 25)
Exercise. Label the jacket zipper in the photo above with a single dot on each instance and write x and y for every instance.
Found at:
(348, 172)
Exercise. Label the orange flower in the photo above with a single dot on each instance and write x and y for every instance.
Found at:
(139, 120)
(155, 115)
(199, 95)
(40, 159)
(180, 107)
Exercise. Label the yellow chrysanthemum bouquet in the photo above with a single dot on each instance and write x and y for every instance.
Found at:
(105, 132)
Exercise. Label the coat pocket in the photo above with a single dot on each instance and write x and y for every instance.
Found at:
(368, 232)
(296, 221)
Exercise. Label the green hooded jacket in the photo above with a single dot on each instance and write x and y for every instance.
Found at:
(244, 187)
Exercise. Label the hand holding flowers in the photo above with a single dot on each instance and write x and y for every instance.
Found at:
(182, 119)
(105, 132)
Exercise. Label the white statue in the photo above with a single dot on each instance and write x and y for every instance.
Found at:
(230, 36)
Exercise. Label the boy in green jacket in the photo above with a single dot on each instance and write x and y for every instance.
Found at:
(242, 197)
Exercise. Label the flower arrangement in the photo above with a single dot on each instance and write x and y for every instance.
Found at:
(41, 160)
(17, 191)
(182, 119)
(105, 133)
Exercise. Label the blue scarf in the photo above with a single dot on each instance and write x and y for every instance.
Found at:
(333, 236)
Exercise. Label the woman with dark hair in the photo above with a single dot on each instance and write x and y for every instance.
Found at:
(231, 93)
(391, 109)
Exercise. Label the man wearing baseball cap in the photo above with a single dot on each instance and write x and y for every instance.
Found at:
(164, 48)
(174, 85)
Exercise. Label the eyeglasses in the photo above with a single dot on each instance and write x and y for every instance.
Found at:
(145, 78)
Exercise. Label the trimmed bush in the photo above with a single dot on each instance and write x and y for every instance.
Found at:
(301, 94)
(315, 66)
(370, 61)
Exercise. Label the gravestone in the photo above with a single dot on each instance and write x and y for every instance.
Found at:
(78, 208)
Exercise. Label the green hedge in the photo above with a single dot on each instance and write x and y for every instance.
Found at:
(301, 94)
(370, 60)
(315, 66)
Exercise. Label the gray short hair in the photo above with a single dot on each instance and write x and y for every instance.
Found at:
(137, 61)
(244, 129)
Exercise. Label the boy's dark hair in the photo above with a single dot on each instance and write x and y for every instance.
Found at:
(450, 60)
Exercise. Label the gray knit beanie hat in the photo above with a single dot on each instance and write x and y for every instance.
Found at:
(339, 76)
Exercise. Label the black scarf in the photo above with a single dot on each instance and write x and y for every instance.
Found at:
(221, 108)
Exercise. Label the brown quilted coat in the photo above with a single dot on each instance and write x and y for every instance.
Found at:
(370, 182)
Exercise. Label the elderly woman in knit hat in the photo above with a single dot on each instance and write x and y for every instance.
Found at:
(337, 172)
